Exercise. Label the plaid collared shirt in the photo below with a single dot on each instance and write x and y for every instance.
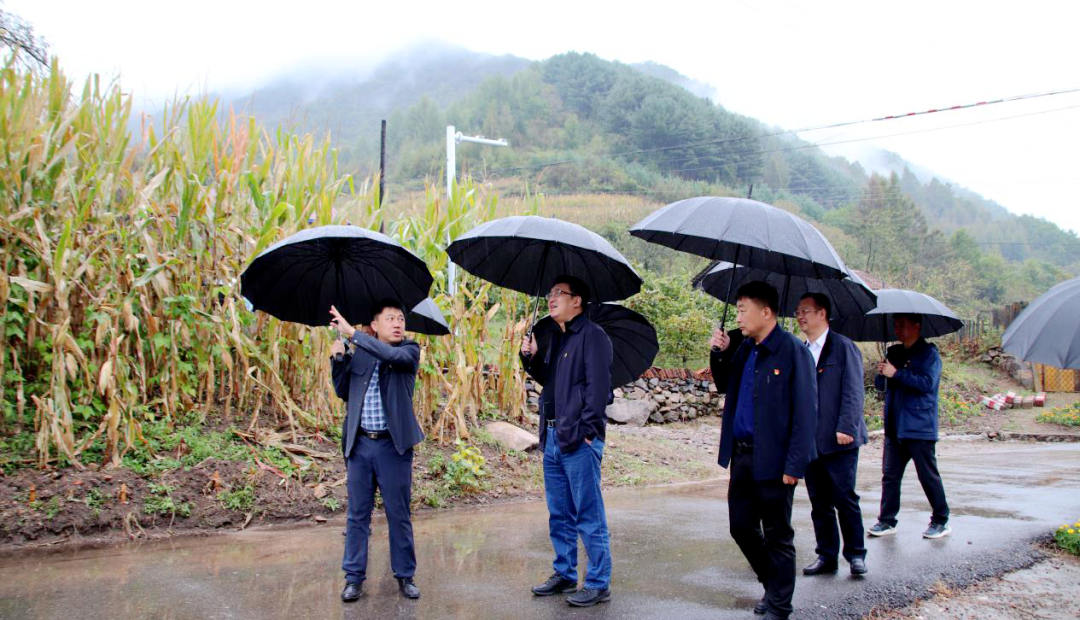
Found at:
(372, 414)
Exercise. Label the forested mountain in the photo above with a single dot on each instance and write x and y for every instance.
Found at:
(581, 124)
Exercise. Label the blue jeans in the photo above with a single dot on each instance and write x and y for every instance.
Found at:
(576, 508)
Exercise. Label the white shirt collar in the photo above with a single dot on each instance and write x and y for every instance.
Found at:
(817, 346)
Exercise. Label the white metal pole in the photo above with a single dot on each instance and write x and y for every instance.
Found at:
(451, 172)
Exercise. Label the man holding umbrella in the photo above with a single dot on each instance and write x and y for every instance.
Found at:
(767, 438)
(909, 376)
(377, 439)
(575, 371)
(830, 478)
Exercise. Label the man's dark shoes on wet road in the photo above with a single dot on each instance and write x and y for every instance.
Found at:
(858, 566)
(937, 530)
(555, 584)
(351, 591)
(820, 566)
(408, 588)
(771, 616)
(587, 598)
(761, 607)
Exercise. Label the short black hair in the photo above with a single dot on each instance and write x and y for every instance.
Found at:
(761, 292)
(383, 304)
(577, 287)
(821, 300)
(914, 317)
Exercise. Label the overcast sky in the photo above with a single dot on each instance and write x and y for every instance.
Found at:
(789, 63)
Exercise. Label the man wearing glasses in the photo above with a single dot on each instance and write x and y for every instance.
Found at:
(575, 371)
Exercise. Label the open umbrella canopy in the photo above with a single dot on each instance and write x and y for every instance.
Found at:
(744, 232)
(1048, 330)
(877, 325)
(633, 339)
(426, 318)
(849, 296)
(299, 278)
(526, 253)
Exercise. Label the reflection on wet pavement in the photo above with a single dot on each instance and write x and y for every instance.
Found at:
(672, 555)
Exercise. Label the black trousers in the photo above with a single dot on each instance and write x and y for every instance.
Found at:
(760, 515)
(375, 463)
(897, 454)
(830, 482)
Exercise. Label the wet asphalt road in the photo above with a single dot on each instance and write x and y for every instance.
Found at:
(673, 557)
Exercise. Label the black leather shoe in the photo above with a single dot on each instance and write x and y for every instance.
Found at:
(408, 588)
(820, 566)
(761, 607)
(351, 591)
(858, 566)
(587, 598)
(555, 584)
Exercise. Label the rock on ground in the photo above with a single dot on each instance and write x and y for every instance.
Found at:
(633, 412)
(512, 436)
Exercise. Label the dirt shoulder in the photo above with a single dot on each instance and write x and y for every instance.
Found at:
(1046, 590)
(69, 507)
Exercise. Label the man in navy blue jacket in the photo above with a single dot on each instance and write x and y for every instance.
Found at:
(910, 376)
(575, 371)
(841, 429)
(377, 439)
(767, 437)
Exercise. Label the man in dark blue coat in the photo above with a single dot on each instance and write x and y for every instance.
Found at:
(841, 429)
(910, 376)
(575, 371)
(377, 439)
(767, 438)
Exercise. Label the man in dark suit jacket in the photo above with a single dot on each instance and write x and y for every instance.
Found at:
(767, 437)
(575, 371)
(377, 439)
(841, 429)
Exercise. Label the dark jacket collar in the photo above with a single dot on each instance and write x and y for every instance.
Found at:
(772, 341)
(574, 325)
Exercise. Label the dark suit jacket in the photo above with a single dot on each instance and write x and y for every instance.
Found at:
(840, 394)
(582, 384)
(912, 393)
(785, 406)
(397, 379)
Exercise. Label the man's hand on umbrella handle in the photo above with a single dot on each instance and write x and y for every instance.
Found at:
(844, 439)
(720, 340)
(339, 323)
(792, 480)
(887, 369)
(528, 346)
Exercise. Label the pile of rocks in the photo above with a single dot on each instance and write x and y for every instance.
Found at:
(1018, 370)
(682, 396)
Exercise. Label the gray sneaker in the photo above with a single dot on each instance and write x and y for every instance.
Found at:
(881, 529)
(937, 530)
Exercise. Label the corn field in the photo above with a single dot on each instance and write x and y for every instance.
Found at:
(120, 263)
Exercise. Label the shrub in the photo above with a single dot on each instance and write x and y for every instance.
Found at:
(1068, 538)
(1068, 415)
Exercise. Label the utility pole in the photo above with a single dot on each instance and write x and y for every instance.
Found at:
(382, 173)
(452, 138)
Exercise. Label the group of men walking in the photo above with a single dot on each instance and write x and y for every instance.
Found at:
(793, 410)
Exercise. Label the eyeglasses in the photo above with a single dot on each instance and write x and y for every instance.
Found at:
(807, 312)
(555, 294)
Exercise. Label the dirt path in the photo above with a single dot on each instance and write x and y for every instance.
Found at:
(1045, 591)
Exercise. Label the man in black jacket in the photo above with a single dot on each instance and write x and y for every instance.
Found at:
(377, 439)
(576, 374)
(767, 437)
(841, 429)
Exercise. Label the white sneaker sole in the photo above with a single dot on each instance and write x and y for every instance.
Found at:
(936, 536)
(889, 532)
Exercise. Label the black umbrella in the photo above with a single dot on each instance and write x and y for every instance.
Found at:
(633, 339)
(426, 318)
(877, 325)
(744, 232)
(1048, 330)
(299, 278)
(527, 252)
(849, 296)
